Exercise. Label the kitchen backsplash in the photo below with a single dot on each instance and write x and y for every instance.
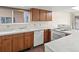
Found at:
(31, 25)
(58, 18)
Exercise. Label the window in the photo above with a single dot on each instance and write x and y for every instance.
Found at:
(14, 20)
(8, 20)
(4, 20)
(76, 22)
(20, 16)
(13, 16)
(26, 17)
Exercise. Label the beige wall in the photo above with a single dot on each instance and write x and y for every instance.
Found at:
(5, 12)
(58, 18)
(61, 17)
(31, 25)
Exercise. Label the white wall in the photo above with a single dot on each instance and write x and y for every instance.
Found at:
(57, 17)
(61, 18)
(76, 13)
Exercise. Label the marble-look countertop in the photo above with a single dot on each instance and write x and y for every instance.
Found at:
(15, 31)
(68, 43)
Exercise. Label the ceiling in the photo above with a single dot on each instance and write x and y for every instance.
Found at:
(51, 8)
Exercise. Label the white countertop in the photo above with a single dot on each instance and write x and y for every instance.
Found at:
(9, 32)
(71, 31)
(15, 31)
(66, 44)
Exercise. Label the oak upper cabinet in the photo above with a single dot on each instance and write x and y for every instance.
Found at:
(34, 14)
(47, 35)
(49, 16)
(18, 42)
(43, 15)
(29, 40)
(5, 44)
(40, 15)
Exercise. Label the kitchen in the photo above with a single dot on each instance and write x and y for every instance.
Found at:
(27, 28)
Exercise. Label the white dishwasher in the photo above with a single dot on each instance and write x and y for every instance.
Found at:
(38, 37)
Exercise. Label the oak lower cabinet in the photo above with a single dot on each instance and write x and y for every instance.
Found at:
(29, 40)
(18, 42)
(47, 35)
(21, 41)
(5, 44)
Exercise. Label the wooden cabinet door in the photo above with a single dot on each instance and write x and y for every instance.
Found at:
(40, 15)
(47, 36)
(18, 42)
(25, 43)
(6, 44)
(0, 43)
(49, 15)
(29, 40)
(34, 14)
(43, 15)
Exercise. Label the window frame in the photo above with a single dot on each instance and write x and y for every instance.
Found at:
(12, 18)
